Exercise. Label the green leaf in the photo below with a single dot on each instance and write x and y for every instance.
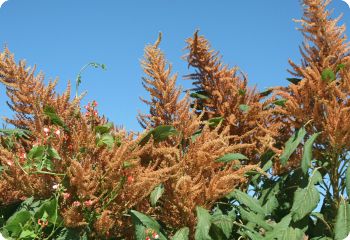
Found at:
(294, 80)
(36, 153)
(328, 75)
(280, 102)
(49, 207)
(199, 95)
(254, 218)
(279, 228)
(159, 134)
(265, 93)
(231, 157)
(195, 135)
(27, 234)
(53, 154)
(182, 234)
(340, 67)
(342, 222)
(145, 220)
(223, 222)
(292, 144)
(347, 180)
(292, 234)
(156, 194)
(107, 140)
(105, 128)
(307, 155)
(306, 199)
(68, 234)
(54, 118)
(203, 224)
(242, 92)
(248, 201)
(17, 132)
(271, 204)
(16, 221)
(127, 164)
(244, 108)
(213, 122)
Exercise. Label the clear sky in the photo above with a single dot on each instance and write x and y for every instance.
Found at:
(60, 36)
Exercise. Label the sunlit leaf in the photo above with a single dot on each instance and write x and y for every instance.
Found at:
(203, 224)
(292, 144)
(231, 157)
(156, 194)
(307, 155)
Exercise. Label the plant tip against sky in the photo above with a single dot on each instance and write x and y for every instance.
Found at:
(257, 36)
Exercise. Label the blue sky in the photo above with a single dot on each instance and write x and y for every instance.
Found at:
(60, 36)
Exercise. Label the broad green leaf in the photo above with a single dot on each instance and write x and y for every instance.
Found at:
(36, 153)
(156, 194)
(195, 135)
(294, 80)
(242, 92)
(254, 235)
(265, 93)
(292, 234)
(14, 223)
(280, 102)
(145, 220)
(342, 222)
(244, 108)
(49, 207)
(68, 234)
(182, 234)
(54, 118)
(223, 222)
(18, 133)
(159, 134)
(321, 238)
(328, 75)
(347, 180)
(279, 228)
(230, 157)
(292, 144)
(309, 195)
(199, 95)
(254, 218)
(340, 67)
(213, 122)
(53, 154)
(127, 164)
(27, 234)
(203, 224)
(105, 128)
(248, 201)
(106, 139)
(307, 155)
(271, 203)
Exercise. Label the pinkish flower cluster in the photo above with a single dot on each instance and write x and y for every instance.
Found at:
(49, 131)
(65, 196)
(152, 234)
(91, 109)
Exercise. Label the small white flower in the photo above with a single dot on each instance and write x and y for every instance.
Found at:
(55, 186)
(58, 132)
(155, 235)
(1, 237)
(46, 130)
